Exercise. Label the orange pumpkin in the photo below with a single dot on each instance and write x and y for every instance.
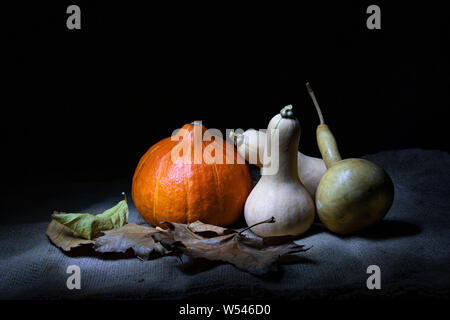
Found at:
(208, 190)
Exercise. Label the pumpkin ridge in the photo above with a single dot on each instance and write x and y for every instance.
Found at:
(222, 145)
(186, 187)
(155, 193)
(218, 188)
(160, 185)
(147, 155)
(187, 168)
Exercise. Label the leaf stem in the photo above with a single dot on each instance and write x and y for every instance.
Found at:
(271, 220)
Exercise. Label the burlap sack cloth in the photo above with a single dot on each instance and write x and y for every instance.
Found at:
(411, 247)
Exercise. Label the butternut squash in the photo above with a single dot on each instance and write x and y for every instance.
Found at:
(251, 145)
(280, 195)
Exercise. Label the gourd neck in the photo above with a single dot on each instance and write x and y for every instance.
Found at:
(281, 152)
(237, 138)
(325, 139)
(327, 145)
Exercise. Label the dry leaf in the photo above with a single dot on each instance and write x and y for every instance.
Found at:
(208, 230)
(254, 255)
(63, 237)
(90, 226)
(139, 238)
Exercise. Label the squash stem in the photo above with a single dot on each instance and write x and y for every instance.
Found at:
(287, 112)
(271, 220)
(316, 104)
(325, 139)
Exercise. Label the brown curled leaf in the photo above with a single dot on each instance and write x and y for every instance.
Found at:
(246, 253)
(208, 230)
(198, 240)
(63, 237)
(131, 236)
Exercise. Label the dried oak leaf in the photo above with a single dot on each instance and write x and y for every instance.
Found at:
(255, 255)
(139, 238)
(208, 230)
(90, 226)
(252, 254)
(63, 237)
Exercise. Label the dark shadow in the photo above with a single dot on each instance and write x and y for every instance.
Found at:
(388, 229)
(277, 240)
(87, 250)
(314, 229)
(296, 259)
(274, 275)
(239, 224)
(192, 266)
(35, 203)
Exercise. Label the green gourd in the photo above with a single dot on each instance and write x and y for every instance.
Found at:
(353, 194)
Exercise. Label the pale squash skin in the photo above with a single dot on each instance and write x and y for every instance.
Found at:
(310, 169)
(281, 195)
(354, 193)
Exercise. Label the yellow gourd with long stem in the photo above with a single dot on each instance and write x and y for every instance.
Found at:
(353, 194)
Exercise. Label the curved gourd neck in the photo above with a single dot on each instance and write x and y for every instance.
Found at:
(327, 145)
(287, 149)
(237, 138)
(325, 139)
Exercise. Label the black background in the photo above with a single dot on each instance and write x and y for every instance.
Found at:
(84, 105)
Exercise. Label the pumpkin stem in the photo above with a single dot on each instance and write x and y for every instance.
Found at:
(124, 196)
(271, 220)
